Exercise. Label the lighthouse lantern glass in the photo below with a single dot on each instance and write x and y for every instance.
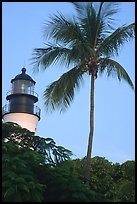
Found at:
(23, 86)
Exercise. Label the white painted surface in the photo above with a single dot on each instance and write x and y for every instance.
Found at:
(25, 120)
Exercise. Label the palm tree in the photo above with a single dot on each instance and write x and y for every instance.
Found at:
(85, 41)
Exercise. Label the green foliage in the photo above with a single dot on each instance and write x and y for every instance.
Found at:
(124, 182)
(125, 191)
(19, 182)
(128, 169)
(62, 185)
(28, 175)
(22, 153)
(24, 138)
(112, 182)
(115, 181)
(101, 179)
(116, 173)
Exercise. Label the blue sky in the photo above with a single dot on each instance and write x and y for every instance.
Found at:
(114, 134)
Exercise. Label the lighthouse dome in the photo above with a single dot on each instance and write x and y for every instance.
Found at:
(23, 76)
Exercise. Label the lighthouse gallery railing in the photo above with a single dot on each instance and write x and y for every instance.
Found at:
(22, 91)
(6, 109)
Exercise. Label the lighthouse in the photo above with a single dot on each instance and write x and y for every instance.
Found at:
(21, 99)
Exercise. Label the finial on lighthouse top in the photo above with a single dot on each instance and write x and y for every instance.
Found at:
(23, 76)
(23, 70)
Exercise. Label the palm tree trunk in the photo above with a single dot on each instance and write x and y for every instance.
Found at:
(90, 140)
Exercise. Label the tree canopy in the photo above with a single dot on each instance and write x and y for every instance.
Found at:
(29, 176)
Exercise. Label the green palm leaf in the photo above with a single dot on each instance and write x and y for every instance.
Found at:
(108, 9)
(113, 68)
(52, 54)
(96, 19)
(63, 30)
(111, 44)
(60, 93)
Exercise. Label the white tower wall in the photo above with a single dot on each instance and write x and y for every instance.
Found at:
(25, 120)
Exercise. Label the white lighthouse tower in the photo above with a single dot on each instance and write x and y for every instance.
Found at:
(20, 108)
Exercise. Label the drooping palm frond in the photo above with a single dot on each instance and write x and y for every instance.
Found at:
(113, 68)
(111, 44)
(60, 93)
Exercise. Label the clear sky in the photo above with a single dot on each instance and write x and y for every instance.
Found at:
(114, 134)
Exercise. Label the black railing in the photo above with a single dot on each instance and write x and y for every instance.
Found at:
(22, 91)
(7, 109)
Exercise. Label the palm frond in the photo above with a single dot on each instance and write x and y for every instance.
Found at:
(88, 21)
(105, 21)
(60, 93)
(81, 8)
(104, 24)
(52, 54)
(111, 44)
(69, 33)
(99, 25)
(63, 30)
(113, 68)
(106, 16)
(109, 9)
(89, 26)
(96, 19)
(44, 57)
